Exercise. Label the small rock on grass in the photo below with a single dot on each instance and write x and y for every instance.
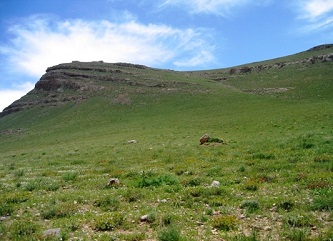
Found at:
(144, 218)
(113, 181)
(52, 232)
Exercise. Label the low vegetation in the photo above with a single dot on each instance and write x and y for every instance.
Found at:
(271, 179)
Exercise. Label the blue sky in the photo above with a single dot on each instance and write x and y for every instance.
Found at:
(171, 34)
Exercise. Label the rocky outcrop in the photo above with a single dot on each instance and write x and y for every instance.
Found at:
(278, 65)
(77, 81)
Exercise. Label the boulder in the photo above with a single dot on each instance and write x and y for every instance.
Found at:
(204, 139)
(113, 181)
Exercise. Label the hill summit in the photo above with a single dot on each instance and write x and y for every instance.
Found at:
(77, 81)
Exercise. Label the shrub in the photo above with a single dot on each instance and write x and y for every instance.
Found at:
(296, 220)
(297, 235)
(250, 205)
(109, 221)
(19, 173)
(52, 186)
(133, 237)
(108, 203)
(22, 229)
(150, 179)
(58, 211)
(132, 195)
(322, 158)
(242, 237)
(16, 197)
(215, 140)
(194, 182)
(6, 208)
(169, 234)
(286, 205)
(152, 216)
(224, 223)
(251, 185)
(167, 219)
(306, 143)
(323, 200)
(69, 176)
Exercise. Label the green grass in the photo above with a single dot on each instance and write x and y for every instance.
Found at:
(274, 166)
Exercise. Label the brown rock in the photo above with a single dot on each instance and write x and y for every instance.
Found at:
(204, 139)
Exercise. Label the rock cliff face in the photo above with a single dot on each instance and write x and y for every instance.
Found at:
(74, 81)
(77, 81)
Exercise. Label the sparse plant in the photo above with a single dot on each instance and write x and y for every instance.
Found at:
(133, 237)
(69, 176)
(286, 205)
(224, 222)
(132, 195)
(323, 200)
(22, 229)
(243, 237)
(322, 158)
(108, 221)
(108, 203)
(58, 210)
(167, 219)
(250, 205)
(251, 185)
(297, 220)
(19, 173)
(169, 234)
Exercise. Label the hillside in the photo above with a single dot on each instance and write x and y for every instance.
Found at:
(84, 123)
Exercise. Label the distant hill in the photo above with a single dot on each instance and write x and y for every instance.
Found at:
(78, 81)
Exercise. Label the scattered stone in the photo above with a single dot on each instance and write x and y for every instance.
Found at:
(267, 228)
(204, 139)
(215, 184)
(3, 218)
(273, 209)
(144, 218)
(52, 232)
(216, 213)
(132, 142)
(113, 181)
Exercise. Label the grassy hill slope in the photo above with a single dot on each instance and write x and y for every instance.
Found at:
(274, 167)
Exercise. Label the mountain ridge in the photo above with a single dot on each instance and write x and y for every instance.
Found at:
(77, 81)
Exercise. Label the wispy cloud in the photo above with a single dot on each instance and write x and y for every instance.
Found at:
(217, 7)
(316, 8)
(9, 95)
(317, 14)
(40, 42)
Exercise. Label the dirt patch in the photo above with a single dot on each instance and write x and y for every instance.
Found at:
(122, 99)
(269, 90)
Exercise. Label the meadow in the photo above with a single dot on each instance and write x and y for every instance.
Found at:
(273, 172)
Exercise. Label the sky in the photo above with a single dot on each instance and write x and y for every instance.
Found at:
(167, 34)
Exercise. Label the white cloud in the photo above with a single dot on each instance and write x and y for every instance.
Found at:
(40, 42)
(316, 8)
(201, 58)
(8, 96)
(317, 14)
(218, 7)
